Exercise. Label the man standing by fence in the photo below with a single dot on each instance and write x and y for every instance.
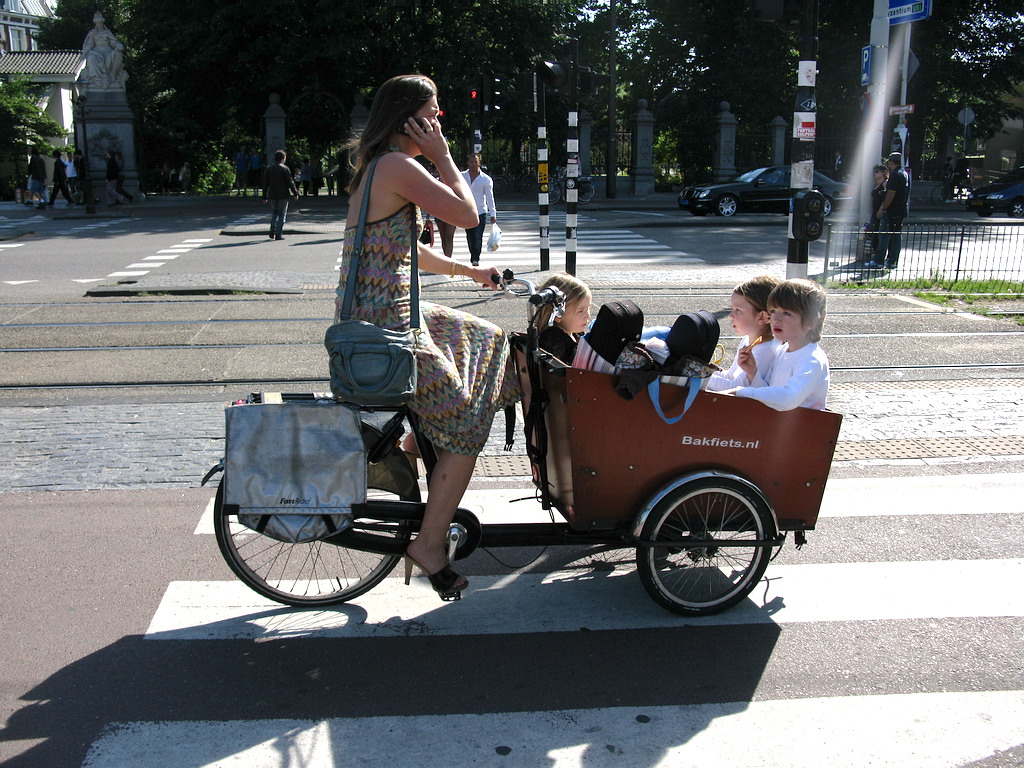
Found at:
(890, 214)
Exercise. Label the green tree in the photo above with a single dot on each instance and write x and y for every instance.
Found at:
(22, 125)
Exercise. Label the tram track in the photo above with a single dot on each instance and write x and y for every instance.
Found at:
(323, 384)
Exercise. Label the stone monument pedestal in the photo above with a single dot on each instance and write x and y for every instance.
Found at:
(109, 126)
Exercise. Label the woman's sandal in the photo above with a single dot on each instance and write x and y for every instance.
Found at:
(446, 582)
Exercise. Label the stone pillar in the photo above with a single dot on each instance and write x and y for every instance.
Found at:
(643, 150)
(360, 115)
(724, 162)
(778, 127)
(586, 119)
(110, 127)
(273, 129)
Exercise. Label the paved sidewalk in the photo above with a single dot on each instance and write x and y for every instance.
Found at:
(151, 445)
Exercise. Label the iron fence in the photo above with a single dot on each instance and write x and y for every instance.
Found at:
(947, 253)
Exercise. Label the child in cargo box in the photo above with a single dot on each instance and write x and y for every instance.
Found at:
(750, 319)
(560, 335)
(799, 375)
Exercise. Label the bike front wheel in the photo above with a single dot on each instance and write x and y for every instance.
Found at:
(701, 562)
(317, 573)
(586, 191)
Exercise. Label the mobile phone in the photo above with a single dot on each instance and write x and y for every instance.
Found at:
(402, 125)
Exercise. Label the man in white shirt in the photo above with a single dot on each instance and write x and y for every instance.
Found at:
(482, 187)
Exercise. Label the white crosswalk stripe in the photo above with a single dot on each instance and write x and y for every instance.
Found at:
(520, 244)
(914, 728)
(918, 729)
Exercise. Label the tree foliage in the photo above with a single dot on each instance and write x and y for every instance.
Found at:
(201, 72)
(687, 56)
(22, 125)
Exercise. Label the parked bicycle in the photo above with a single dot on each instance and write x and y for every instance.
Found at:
(559, 184)
(515, 182)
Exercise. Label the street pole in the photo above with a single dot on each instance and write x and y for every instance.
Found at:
(804, 128)
(84, 173)
(877, 107)
(572, 162)
(543, 177)
(612, 165)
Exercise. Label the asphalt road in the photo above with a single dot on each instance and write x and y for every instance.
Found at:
(893, 638)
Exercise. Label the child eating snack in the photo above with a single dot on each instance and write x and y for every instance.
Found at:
(799, 375)
(749, 318)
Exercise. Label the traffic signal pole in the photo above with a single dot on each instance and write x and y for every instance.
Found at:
(572, 165)
(804, 128)
(543, 201)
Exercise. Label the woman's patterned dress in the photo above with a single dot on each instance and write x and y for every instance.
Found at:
(462, 374)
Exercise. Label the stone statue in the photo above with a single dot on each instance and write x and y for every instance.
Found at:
(104, 58)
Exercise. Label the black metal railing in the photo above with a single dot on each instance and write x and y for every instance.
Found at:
(946, 253)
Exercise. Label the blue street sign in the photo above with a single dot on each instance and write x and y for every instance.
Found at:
(865, 64)
(904, 11)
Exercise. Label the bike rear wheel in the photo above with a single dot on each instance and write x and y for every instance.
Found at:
(318, 573)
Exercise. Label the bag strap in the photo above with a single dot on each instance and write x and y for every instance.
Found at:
(654, 390)
(357, 252)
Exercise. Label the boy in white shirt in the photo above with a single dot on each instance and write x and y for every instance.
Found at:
(799, 375)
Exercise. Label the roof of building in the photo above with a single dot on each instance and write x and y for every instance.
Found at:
(41, 63)
(33, 8)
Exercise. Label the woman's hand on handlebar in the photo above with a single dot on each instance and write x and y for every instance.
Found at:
(488, 277)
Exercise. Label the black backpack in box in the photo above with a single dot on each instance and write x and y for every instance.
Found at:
(694, 334)
(617, 324)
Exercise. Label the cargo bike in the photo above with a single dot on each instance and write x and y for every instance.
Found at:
(705, 502)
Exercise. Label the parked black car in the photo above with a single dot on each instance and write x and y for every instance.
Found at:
(1005, 195)
(763, 189)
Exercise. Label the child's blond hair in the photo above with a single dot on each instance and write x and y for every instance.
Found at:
(805, 297)
(574, 290)
(756, 290)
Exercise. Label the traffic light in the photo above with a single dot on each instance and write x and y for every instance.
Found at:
(526, 92)
(808, 214)
(556, 74)
(590, 81)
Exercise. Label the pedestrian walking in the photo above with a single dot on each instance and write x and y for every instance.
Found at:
(71, 161)
(36, 178)
(166, 176)
(120, 178)
(482, 187)
(112, 173)
(185, 178)
(278, 188)
(255, 170)
(241, 171)
(60, 180)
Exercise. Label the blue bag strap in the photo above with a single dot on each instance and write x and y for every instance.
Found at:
(357, 244)
(654, 391)
(357, 250)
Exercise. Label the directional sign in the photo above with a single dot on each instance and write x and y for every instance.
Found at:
(865, 65)
(902, 109)
(904, 11)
